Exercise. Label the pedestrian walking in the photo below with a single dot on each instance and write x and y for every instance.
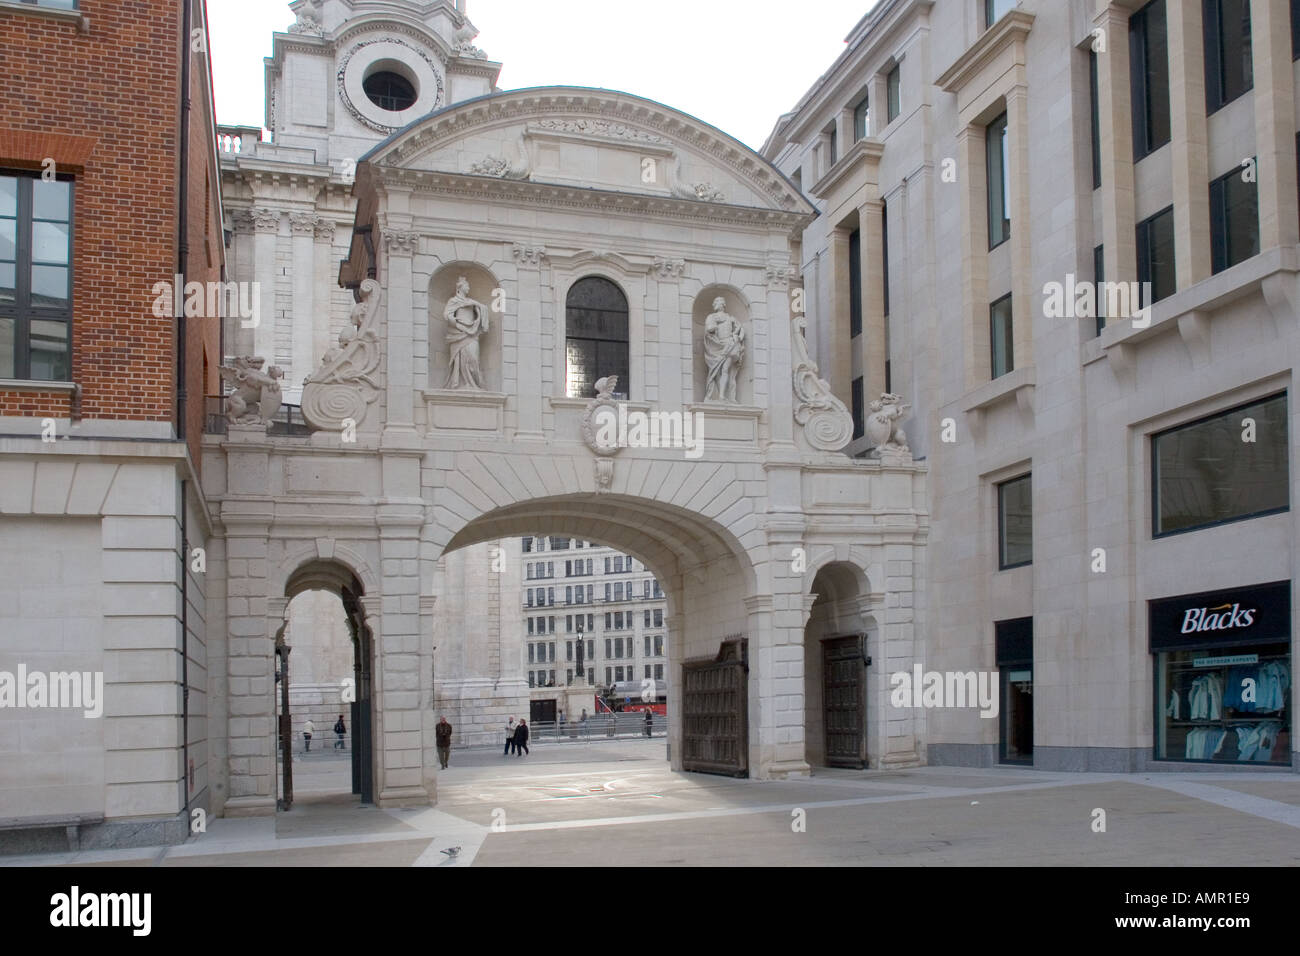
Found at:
(521, 738)
(307, 730)
(510, 737)
(340, 729)
(649, 722)
(443, 739)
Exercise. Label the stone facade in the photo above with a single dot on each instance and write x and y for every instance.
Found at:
(103, 527)
(1078, 409)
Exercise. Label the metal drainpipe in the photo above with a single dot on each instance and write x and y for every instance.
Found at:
(182, 256)
(182, 216)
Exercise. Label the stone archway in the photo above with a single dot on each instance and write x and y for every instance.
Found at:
(334, 577)
(706, 574)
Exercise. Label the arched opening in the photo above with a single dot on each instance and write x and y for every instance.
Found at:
(325, 654)
(596, 340)
(835, 669)
(612, 642)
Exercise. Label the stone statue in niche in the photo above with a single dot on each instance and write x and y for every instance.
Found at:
(724, 353)
(467, 319)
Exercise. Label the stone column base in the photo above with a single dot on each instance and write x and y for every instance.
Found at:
(404, 797)
(249, 807)
(900, 761)
(786, 768)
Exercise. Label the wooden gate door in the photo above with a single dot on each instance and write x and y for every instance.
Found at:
(715, 712)
(844, 695)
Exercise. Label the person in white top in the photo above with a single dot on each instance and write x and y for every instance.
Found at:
(307, 730)
(510, 737)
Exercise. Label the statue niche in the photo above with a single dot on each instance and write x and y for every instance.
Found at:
(463, 331)
(721, 345)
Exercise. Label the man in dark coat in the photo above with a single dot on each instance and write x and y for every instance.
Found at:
(443, 732)
(649, 722)
(521, 738)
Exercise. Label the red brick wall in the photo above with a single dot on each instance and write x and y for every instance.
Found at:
(105, 105)
(205, 240)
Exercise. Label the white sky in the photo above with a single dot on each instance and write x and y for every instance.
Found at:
(738, 64)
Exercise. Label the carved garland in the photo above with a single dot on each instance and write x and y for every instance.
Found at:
(344, 386)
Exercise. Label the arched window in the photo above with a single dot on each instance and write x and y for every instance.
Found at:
(596, 337)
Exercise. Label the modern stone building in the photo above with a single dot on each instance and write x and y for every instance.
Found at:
(109, 205)
(1109, 496)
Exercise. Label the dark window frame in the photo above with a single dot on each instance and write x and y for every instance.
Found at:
(21, 310)
(1094, 118)
(991, 16)
(861, 118)
(855, 283)
(1223, 251)
(1145, 254)
(1154, 437)
(1002, 486)
(1099, 283)
(1220, 88)
(1295, 30)
(1003, 231)
(1010, 338)
(893, 93)
(1151, 108)
(859, 410)
(623, 316)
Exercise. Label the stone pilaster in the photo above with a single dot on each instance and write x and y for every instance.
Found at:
(1275, 145)
(1189, 141)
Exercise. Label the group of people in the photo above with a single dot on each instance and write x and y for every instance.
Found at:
(516, 737)
(309, 728)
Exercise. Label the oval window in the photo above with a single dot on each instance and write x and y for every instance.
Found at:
(389, 91)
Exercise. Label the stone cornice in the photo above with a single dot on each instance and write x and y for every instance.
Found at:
(464, 186)
(458, 120)
(864, 155)
(1012, 28)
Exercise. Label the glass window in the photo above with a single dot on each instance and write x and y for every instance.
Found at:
(645, 590)
(1295, 29)
(893, 88)
(860, 118)
(884, 265)
(646, 639)
(659, 672)
(859, 409)
(1155, 254)
(591, 651)
(1206, 713)
(1234, 219)
(995, 10)
(609, 676)
(596, 337)
(832, 146)
(35, 278)
(1001, 350)
(568, 650)
(1149, 76)
(1095, 103)
(995, 147)
(855, 283)
(1229, 71)
(1015, 523)
(609, 647)
(591, 676)
(1099, 280)
(389, 91)
(659, 646)
(1226, 467)
(659, 617)
(531, 650)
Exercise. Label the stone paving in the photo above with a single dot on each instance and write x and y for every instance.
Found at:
(593, 803)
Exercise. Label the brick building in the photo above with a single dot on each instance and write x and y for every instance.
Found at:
(109, 190)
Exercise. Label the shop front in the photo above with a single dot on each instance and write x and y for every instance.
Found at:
(1222, 666)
